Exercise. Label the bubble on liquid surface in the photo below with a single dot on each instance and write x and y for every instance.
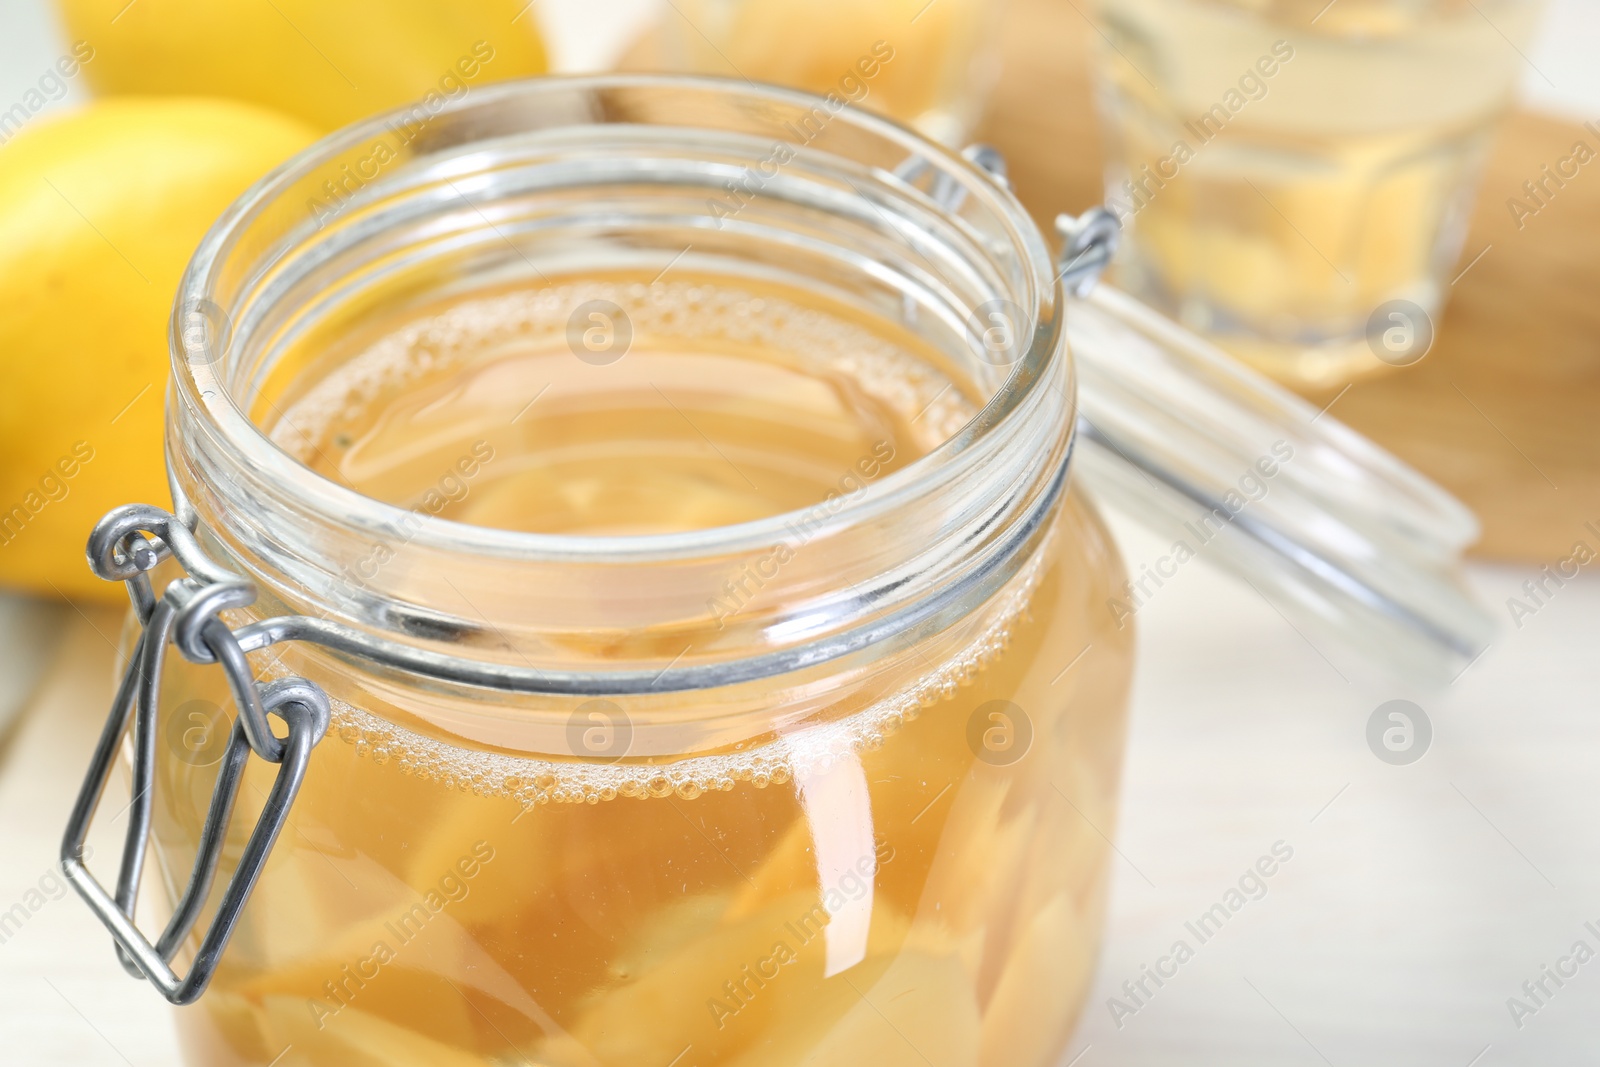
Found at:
(533, 781)
(666, 312)
(890, 374)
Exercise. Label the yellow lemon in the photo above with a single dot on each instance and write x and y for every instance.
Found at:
(328, 62)
(99, 212)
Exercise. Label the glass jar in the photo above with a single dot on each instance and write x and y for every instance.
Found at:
(831, 784)
(1296, 176)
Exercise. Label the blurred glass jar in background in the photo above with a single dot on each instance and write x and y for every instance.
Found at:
(928, 63)
(1286, 168)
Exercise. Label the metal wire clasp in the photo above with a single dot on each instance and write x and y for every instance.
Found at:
(124, 547)
(1088, 243)
(1088, 240)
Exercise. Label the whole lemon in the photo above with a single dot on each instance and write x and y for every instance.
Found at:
(328, 61)
(100, 210)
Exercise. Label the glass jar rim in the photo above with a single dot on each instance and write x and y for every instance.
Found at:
(594, 173)
(196, 359)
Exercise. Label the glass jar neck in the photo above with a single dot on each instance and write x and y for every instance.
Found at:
(556, 178)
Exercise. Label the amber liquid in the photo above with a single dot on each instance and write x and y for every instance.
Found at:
(927, 65)
(920, 892)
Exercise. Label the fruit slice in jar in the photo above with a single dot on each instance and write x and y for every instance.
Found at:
(919, 1012)
(722, 989)
(358, 1039)
(1051, 962)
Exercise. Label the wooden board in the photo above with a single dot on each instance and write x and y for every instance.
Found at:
(1505, 410)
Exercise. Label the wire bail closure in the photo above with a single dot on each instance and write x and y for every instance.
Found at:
(125, 546)
(1088, 242)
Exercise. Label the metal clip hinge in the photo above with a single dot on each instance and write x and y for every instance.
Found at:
(1088, 240)
(1088, 243)
(125, 546)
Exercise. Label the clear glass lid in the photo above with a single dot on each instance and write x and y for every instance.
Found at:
(1345, 539)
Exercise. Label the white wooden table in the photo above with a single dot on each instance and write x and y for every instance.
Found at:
(1418, 899)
